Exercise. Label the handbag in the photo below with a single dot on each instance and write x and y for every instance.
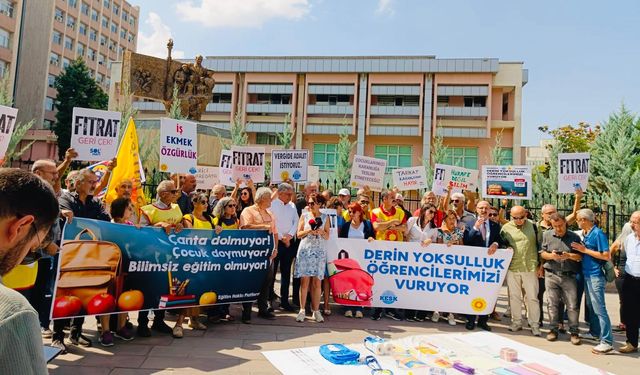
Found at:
(339, 354)
(89, 267)
(609, 273)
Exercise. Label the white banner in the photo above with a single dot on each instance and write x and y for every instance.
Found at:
(7, 124)
(459, 178)
(366, 171)
(94, 133)
(206, 177)
(178, 146)
(573, 172)
(225, 173)
(410, 178)
(458, 279)
(506, 182)
(289, 164)
(248, 163)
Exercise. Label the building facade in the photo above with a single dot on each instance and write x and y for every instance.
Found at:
(50, 34)
(391, 106)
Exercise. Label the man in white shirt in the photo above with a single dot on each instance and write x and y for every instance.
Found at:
(287, 218)
(631, 286)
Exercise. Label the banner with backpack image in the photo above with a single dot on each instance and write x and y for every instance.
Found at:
(108, 268)
(458, 279)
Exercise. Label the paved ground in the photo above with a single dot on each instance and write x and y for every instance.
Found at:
(235, 348)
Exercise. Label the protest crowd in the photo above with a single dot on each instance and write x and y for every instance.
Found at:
(553, 268)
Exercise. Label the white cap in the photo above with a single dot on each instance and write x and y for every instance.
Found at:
(344, 192)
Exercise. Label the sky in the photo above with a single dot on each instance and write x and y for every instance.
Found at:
(583, 56)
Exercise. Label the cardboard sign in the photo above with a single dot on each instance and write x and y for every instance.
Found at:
(7, 125)
(206, 177)
(94, 133)
(178, 146)
(573, 172)
(459, 178)
(410, 178)
(225, 172)
(248, 163)
(366, 171)
(313, 173)
(506, 182)
(289, 164)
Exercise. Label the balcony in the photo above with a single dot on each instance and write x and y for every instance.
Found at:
(329, 129)
(268, 108)
(460, 132)
(502, 124)
(315, 109)
(462, 111)
(148, 106)
(218, 107)
(390, 110)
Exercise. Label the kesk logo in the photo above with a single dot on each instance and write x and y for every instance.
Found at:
(388, 297)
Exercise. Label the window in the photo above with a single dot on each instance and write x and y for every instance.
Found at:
(273, 99)
(116, 9)
(4, 38)
(130, 38)
(114, 27)
(94, 14)
(91, 54)
(6, 8)
(80, 49)
(102, 59)
(132, 21)
(466, 157)
(475, 101)
(54, 59)
(222, 98)
(65, 63)
(51, 80)
(68, 43)
(332, 100)
(123, 33)
(73, 3)
(99, 78)
(105, 22)
(125, 15)
(443, 101)
(84, 8)
(396, 156)
(398, 101)
(3, 68)
(83, 29)
(48, 124)
(48, 103)
(112, 45)
(506, 156)
(106, 3)
(93, 34)
(267, 139)
(59, 15)
(103, 40)
(324, 155)
(56, 37)
(71, 22)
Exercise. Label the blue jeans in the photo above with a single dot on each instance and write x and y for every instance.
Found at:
(587, 309)
(599, 320)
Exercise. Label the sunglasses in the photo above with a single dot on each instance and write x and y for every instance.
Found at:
(454, 201)
(232, 205)
(245, 193)
(311, 203)
(518, 217)
(201, 201)
(493, 215)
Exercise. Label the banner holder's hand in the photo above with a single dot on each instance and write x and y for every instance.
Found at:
(492, 248)
(67, 214)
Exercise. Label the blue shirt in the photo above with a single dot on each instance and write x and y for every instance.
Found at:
(595, 240)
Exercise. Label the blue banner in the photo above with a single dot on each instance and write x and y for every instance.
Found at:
(106, 268)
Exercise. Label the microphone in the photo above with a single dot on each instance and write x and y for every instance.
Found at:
(315, 223)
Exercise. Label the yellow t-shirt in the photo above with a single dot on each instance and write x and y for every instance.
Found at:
(197, 223)
(380, 215)
(155, 214)
(235, 225)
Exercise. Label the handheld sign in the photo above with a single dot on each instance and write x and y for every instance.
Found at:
(7, 124)
(506, 182)
(248, 163)
(410, 178)
(458, 178)
(178, 146)
(94, 133)
(226, 169)
(367, 171)
(206, 177)
(573, 172)
(289, 164)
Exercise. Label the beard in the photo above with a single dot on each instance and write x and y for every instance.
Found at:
(14, 256)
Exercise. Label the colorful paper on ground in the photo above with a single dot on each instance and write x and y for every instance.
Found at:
(178, 146)
(289, 165)
(94, 133)
(506, 182)
(216, 269)
(458, 279)
(573, 172)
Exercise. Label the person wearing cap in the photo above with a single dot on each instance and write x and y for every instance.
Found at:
(345, 197)
(399, 202)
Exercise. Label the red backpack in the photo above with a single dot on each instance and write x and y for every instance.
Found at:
(350, 284)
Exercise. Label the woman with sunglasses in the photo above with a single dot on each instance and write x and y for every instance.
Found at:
(421, 228)
(311, 261)
(360, 228)
(450, 233)
(244, 196)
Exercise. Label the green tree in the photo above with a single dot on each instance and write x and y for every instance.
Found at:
(126, 108)
(438, 156)
(286, 137)
(75, 88)
(342, 171)
(19, 129)
(577, 138)
(614, 154)
(238, 132)
(175, 111)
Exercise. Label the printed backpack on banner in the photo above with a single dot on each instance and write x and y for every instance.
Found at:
(89, 267)
(350, 284)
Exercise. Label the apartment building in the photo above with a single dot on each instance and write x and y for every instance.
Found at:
(10, 22)
(391, 106)
(48, 36)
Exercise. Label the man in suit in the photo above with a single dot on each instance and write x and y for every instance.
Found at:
(484, 233)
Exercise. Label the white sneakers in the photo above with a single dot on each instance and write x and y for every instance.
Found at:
(317, 315)
(359, 314)
(602, 348)
(300, 316)
(452, 319)
(435, 317)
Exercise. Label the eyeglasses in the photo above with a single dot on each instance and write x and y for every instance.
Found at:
(173, 191)
(201, 201)
(232, 205)
(454, 201)
(245, 193)
(375, 367)
(518, 217)
(311, 203)
(493, 215)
